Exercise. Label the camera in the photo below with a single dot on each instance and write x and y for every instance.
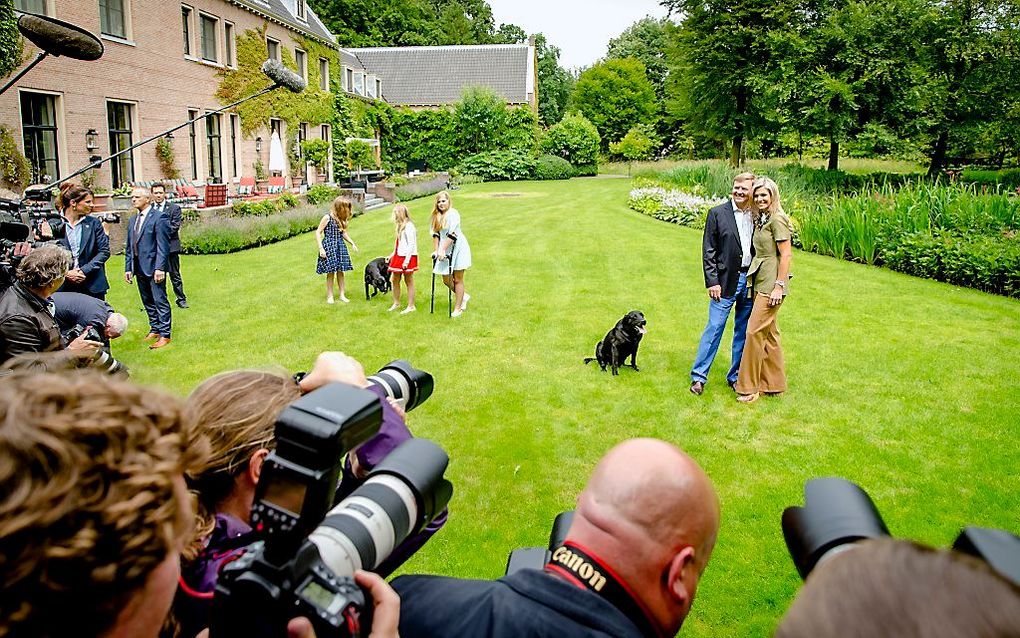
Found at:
(405, 384)
(538, 557)
(837, 514)
(305, 562)
(108, 218)
(103, 360)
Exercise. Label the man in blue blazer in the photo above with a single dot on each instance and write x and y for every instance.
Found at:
(146, 259)
(173, 214)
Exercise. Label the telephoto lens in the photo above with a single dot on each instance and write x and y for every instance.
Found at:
(404, 383)
(404, 493)
(836, 514)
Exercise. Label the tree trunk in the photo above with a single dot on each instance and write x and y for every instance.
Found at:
(833, 155)
(938, 154)
(735, 148)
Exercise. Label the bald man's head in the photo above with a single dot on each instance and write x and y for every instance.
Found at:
(650, 512)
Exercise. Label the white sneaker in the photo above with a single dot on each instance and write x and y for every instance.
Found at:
(463, 303)
(329, 300)
(456, 313)
(408, 310)
(345, 300)
(392, 308)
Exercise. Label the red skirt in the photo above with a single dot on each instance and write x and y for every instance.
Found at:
(397, 264)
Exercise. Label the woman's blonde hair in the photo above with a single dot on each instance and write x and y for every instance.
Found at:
(436, 221)
(773, 189)
(401, 217)
(236, 411)
(341, 211)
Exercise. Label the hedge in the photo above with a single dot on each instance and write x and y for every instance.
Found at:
(217, 235)
(497, 166)
(553, 167)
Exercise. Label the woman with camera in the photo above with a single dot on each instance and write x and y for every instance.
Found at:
(237, 411)
(85, 237)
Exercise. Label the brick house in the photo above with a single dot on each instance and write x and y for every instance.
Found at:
(159, 69)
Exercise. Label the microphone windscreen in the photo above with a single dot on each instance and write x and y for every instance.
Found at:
(57, 37)
(283, 76)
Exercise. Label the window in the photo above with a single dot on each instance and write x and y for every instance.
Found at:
(302, 135)
(300, 59)
(370, 85)
(275, 126)
(302, 11)
(378, 88)
(210, 50)
(349, 80)
(192, 114)
(39, 126)
(118, 118)
(31, 6)
(273, 49)
(359, 83)
(325, 134)
(186, 27)
(233, 145)
(212, 142)
(113, 18)
(228, 44)
(324, 74)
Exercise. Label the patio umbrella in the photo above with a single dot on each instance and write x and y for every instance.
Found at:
(277, 161)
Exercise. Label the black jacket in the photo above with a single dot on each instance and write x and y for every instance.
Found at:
(175, 218)
(530, 604)
(720, 248)
(92, 256)
(26, 324)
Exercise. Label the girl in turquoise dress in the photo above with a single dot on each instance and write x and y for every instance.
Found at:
(452, 254)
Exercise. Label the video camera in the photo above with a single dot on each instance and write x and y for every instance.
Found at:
(538, 557)
(304, 565)
(837, 514)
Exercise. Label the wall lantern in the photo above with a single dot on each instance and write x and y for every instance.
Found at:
(258, 144)
(169, 136)
(91, 139)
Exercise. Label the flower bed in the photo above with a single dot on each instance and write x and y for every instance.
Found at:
(669, 205)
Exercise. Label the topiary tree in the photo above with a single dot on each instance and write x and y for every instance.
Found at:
(360, 155)
(316, 152)
(576, 140)
(15, 169)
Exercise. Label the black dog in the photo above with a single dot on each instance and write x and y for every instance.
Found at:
(621, 342)
(377, 275)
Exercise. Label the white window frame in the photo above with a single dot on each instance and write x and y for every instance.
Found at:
(229, 45)
(279, 48)
(217, 28)
(302, 10)
(324, 77)
(301, 61)
(48, 8)
(136, 158)
(378, 88)
(359, 76)
(370, 86)
(129, 35)
(189, 53)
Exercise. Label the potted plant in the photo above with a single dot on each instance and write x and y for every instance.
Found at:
(317, 154)
(121, 197)
(261, 177)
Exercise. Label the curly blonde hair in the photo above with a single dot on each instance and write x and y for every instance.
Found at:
(88, 505)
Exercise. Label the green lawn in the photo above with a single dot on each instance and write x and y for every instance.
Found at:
(906, 386)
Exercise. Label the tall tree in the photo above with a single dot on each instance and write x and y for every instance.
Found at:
(615, 95)
(720, 56)
(510, 34)
(555, 84)
(645, 40)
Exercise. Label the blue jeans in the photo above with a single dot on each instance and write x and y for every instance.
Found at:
(718, 313)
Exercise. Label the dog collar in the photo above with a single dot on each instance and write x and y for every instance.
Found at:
(586, 571)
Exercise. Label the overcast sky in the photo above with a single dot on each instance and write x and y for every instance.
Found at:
(580, 28)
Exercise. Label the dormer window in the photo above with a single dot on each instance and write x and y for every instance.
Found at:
(370, 85)
(359, 83)
(302, 10)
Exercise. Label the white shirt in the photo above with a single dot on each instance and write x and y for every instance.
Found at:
(745, 228)
(408, 243)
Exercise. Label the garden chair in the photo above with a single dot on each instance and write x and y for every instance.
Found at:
(276, 185)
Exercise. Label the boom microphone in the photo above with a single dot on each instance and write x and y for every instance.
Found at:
(57, 37)
(283, 76)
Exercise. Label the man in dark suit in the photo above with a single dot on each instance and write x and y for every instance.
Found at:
(726, 252)
(173, 214)
(146, 258)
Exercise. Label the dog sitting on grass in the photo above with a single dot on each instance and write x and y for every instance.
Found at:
(377, 276)
(620, 342)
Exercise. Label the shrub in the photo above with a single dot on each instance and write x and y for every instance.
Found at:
(15, 169)
(497, 166)
(287, 200)
(1009, 179)
(230, 234)
(639, 143)
(316, 152)
(576, 140)
(553, 167)
(167, 159)
(321, 194)
(987, 263)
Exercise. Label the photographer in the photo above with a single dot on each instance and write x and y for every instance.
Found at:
(641, 536)
(73, 309)
(26, 320)
(94, 506)
(237, 411)
(895, 588)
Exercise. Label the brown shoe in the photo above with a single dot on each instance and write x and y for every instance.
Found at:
(151, 336)
(697, 387)
(162, 341)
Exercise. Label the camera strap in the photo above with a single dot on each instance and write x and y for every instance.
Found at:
(586, 571)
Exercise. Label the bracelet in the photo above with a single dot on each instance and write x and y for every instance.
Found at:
(781, 284)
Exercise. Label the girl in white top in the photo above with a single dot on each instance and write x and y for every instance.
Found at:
(452, 254)
(404, 258)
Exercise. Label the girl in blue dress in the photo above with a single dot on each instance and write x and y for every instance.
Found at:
(333, 256)
(452, 254)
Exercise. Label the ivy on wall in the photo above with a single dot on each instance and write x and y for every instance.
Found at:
(15, 169)
(11, 49)
(312, 105)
